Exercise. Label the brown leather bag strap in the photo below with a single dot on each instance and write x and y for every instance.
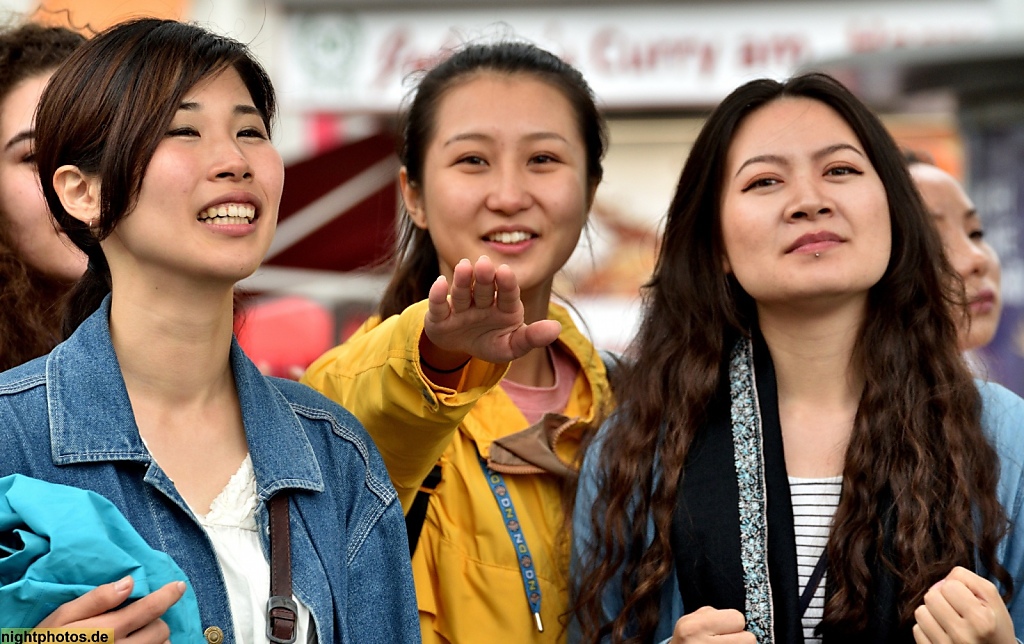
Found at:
(281, 609)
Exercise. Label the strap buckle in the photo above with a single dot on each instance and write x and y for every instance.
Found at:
(281, 617)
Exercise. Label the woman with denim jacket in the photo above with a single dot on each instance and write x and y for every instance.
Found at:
(154, 143)
(800, 453)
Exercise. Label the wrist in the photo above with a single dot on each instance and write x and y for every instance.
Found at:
(430, 367)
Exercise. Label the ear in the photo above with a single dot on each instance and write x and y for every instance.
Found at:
(412, 195)
(79, 193)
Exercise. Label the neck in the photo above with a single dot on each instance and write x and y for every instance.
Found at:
(812, 352)
(819, 386)
(173, 347)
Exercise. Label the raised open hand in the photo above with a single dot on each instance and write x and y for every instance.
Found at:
(480, 316)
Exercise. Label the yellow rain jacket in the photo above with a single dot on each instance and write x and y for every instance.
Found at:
(469, 584)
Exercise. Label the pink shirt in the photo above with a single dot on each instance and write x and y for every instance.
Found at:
(534, 402)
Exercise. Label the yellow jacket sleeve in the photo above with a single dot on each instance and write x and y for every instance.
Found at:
(376, 374)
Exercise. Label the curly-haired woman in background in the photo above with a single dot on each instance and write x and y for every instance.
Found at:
(37, 262)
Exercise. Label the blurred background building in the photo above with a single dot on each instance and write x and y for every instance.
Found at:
(946, 75)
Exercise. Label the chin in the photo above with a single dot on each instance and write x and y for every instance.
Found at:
(979, 337)
(68, 273)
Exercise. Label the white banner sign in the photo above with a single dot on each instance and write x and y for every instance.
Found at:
(634, 58)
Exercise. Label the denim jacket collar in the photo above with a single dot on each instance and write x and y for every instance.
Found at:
(91, 417)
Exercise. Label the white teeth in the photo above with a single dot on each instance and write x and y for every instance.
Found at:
(225, 221)
(235, 213)
(510, 237)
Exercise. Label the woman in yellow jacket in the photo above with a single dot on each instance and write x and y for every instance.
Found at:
(469, 371)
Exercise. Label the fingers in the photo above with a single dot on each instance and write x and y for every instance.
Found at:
(952, 612)
(483, 283)
(927, 630)
(507, 287)
(155, 632)
(143, 612)
(139, 621)
(980, 587)
(534, 336)
(919, 636)
(438, 308)
(706, 622)
(461, 294)
(97, 601)
(473, 285)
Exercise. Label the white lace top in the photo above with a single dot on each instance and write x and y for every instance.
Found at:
(231, 526)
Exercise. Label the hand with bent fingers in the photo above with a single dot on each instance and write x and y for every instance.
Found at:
(707, 624)
(136, 623)
(963, 608)
(482, 316)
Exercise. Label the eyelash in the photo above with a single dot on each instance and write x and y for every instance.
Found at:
(249, 132)
(764, 182)
(847, 170)
(253, 132)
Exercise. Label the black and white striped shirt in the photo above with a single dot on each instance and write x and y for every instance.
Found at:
(814, 504)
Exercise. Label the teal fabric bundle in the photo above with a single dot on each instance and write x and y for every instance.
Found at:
(59, 542)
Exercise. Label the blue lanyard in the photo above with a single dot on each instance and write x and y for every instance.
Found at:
(515, 533)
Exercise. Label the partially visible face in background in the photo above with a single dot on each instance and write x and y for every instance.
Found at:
(963, 238)
(23, 212)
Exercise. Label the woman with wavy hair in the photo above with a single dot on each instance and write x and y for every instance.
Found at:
(37, 262)
(801, 453)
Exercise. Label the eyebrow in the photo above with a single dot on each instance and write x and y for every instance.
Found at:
(476, 136)
(780, 160)
(19, 137)
(970, 213)
(239, 109)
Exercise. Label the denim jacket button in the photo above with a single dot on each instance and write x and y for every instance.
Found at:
(214, 635)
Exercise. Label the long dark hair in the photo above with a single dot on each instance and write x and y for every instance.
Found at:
(106, 110)
(917, 433)
(30, 301)
(416, 257)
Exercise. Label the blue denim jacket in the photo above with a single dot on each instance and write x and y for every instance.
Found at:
(1003, 422)
(66, 418)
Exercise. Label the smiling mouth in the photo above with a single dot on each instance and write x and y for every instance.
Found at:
(506, 237)
(228, 214)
